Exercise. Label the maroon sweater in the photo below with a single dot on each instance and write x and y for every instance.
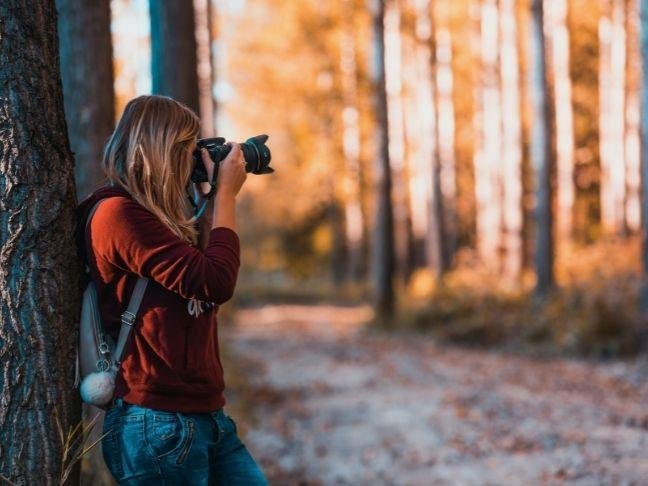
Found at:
(172, 361)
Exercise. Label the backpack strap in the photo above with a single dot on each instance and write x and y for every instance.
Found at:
(130, 314)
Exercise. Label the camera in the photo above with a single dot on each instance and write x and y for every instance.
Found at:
(255, 152)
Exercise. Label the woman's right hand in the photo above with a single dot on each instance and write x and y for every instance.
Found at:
(231, 172)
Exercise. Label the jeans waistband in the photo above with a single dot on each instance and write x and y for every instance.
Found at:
(120, 403)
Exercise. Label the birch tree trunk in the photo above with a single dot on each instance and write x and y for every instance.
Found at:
(425, 183)
(558, 37)
(541, 154)
(512, 142)
(40, 275)
(632, 119)
(612, 38)
(87, 75)
(382, 250)
(173, 51)
(488, 188)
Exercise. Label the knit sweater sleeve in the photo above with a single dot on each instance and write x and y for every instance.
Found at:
(129, 236)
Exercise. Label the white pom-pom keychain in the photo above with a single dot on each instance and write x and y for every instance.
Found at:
(97, 388)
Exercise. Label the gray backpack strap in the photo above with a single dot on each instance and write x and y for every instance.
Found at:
(130, 314)
(128, 318)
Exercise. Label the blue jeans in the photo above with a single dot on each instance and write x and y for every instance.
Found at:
(144, 446)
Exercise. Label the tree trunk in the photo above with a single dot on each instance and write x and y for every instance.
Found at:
(382, 251)
(173, 51)
(541, 154)
(612, 114)
(446, 136)
(423, 139)
(395, 119)
(39, 270)
(87, 75)
(632, 119)
(353, 215)
(511, 160)
(559, 39)
(644, 156)
(205, 70)
(488, 188)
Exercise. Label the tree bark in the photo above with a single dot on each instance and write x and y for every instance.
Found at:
(541, 154)
(173, 51)
(40, 275)
(382, 250)
(87, 75)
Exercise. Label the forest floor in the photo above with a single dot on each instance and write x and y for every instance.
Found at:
(320, 399)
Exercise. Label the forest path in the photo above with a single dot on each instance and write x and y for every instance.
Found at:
(334, 404)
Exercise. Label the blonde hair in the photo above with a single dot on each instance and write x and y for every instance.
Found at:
(149, 155)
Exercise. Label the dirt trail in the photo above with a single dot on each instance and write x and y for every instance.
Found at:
(338, 405)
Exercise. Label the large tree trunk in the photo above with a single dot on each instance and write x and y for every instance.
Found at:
(511, 142)
(559, 41)
(39, 271)
(87, 75)
(541, 154)
(173, 51)
(382, 250)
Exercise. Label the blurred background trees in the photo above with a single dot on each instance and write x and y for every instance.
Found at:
(434, 158)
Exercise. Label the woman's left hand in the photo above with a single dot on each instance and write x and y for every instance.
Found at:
(205, 187)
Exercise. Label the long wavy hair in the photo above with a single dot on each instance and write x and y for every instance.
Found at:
(150, 155)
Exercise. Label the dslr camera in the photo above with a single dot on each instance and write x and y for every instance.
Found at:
(255, 152)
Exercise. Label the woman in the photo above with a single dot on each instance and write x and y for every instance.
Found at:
(167, 424)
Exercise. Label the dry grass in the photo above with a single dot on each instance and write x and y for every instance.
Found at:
(592, 312)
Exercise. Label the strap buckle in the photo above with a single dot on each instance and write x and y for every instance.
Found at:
(128, 318)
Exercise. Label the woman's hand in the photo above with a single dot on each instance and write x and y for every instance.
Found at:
(205, 187)
(231, 176)
(231, 172)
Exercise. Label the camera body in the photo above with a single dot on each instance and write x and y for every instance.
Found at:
(255, 152)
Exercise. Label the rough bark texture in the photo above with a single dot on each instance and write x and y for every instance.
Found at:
(383, 239)
(173, 51)
(39, 273)
(87, 75)
(541, 154)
